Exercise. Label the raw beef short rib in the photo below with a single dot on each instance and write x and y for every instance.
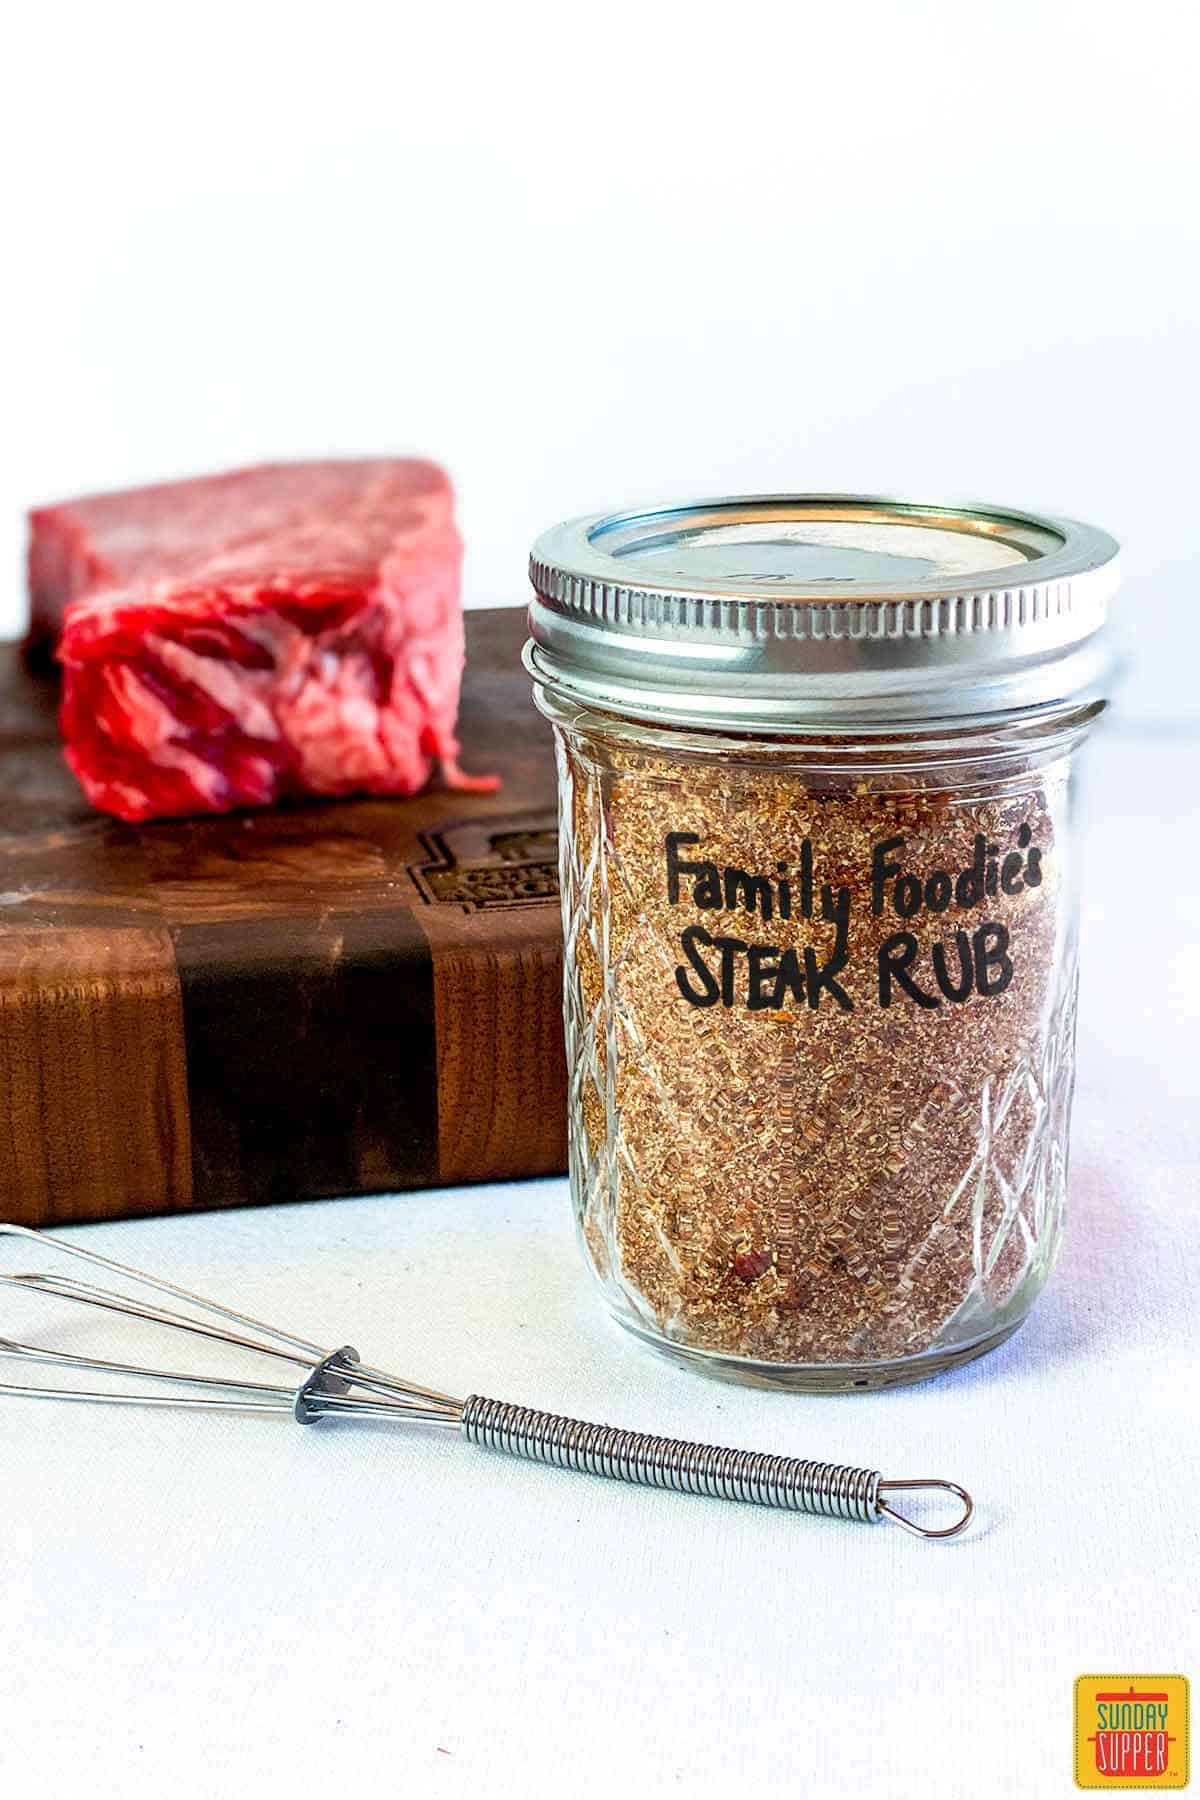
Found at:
(290, 629)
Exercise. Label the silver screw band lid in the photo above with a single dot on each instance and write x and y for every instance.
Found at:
(821, 611)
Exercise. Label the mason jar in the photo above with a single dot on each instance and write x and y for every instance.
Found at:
(819, 864)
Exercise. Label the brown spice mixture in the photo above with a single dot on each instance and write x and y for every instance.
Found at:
(800, 1185)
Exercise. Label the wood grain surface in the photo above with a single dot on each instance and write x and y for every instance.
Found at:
(342, 997)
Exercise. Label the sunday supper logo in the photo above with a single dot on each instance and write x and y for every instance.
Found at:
(1131, 1731)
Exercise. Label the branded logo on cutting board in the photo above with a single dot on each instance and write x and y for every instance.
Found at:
(1131, 1731)
(488, 863)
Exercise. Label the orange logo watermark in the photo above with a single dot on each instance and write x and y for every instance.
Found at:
(1131, 1731)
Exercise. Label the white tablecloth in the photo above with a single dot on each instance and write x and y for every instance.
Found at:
(232, 1606)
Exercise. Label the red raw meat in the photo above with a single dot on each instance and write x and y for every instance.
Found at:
(288, 629)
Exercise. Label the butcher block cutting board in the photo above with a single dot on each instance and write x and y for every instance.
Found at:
(334, 998)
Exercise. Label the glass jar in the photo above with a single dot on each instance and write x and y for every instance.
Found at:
(819, 880)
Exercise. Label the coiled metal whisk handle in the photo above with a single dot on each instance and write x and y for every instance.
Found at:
(786, 1482)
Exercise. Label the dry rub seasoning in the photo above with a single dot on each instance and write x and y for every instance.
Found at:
(819, 896)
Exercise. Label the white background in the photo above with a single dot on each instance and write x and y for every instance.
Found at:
(587, 256)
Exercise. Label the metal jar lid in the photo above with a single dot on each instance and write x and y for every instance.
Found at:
(825, 611)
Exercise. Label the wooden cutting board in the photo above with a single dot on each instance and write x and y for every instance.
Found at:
(334, 998)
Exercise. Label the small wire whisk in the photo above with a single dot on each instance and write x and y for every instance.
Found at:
(337, 1383)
